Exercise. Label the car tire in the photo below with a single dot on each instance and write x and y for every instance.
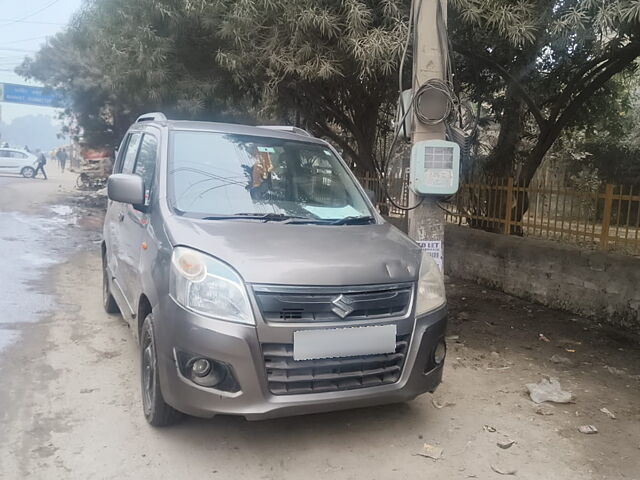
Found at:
(108, 302)
(157, 412)
(28, 172)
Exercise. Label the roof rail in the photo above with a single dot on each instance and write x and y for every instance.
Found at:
(153, 116)
(287, 128)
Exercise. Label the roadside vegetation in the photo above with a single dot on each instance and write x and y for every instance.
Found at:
(543, 78)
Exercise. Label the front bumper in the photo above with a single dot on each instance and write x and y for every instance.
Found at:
(238, 346)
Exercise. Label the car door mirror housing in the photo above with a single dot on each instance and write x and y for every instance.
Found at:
(126, 188)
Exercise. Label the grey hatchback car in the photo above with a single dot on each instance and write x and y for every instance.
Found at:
(259, 279)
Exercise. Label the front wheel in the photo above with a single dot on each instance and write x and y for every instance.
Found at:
(157, 412)
(28, 172)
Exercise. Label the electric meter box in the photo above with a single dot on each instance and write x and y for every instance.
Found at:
(435, 167)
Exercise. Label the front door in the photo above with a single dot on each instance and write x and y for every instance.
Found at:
(133, 231)
(116, 248)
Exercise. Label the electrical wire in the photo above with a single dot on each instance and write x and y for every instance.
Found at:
(32, 14)
(435, 86)
(402, 60)
(404, 114)
(30, 22)
(432, 86)
(12, 42)
(19, 50)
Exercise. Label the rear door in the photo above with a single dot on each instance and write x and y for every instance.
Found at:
(135, 222)
(7, 162)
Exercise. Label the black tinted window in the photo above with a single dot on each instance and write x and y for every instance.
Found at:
(146, 163)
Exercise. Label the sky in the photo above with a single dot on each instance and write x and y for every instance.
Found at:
(24, 26)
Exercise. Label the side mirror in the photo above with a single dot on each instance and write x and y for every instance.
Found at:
(126, 188)
(371, 194)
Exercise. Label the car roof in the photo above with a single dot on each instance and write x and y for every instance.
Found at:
(188, 125)
(14, 149)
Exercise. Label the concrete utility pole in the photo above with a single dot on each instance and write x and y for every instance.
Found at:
(426, 223)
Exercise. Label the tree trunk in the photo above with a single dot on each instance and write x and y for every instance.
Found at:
(531, 164)
(502, 159)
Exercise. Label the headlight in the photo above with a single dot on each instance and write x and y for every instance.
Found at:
(430, 286)
(209, 287)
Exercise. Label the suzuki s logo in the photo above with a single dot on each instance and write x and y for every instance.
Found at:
(342, 306)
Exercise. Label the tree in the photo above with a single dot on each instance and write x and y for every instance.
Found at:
(543, 66)
(329, 65)
(540, 63)
(120, 58)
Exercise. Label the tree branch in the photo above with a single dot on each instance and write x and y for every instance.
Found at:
(519, 89)
(587, 72)
(598, 81)
(549, 136)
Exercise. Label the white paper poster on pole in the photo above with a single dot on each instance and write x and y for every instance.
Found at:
(434, 248)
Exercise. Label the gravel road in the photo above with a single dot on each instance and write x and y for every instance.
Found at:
(69, 385)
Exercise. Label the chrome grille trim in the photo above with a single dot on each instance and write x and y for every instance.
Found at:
(287, 304)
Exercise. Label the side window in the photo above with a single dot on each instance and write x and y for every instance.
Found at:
(117, 167)
(5, 153)
(146, 163)
(130, 155)
(18, 155)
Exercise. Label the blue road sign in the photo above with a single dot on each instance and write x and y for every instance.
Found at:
(10, 92)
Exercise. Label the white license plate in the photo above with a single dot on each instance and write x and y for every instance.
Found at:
(344, 342)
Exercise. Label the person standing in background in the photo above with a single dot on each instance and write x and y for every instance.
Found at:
(61, 155)
(42, 161)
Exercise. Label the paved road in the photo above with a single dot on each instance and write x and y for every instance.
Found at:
(27, 250)
(69, 387)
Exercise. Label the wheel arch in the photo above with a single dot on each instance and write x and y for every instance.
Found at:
(144, 309)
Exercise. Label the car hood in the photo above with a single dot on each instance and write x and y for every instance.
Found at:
(274, 253)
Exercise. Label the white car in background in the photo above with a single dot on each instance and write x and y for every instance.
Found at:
(14, 160)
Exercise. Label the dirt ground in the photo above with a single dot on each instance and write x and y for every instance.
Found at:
(70, 401)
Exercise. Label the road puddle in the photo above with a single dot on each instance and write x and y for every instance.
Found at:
(30, 244)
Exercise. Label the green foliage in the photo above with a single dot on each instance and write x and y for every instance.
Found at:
(329, 65)
(120, 58)
(543, 66)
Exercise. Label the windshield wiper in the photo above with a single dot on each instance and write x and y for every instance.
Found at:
(365, 220)
(327, 221)
(292, 219)
(267, 217)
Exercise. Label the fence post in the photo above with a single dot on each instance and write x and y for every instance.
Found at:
(508, 206)
(606, 217)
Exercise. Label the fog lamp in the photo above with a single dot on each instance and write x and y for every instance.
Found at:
(201, 367)
(206, 372)
(440, 352)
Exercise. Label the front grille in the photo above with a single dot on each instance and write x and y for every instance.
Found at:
(288, 376)
(330, 304)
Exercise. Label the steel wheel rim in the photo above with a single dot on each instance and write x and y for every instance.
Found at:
(148, 371)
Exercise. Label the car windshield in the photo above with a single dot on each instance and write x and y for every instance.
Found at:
(217, 176)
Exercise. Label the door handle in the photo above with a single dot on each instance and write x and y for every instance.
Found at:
(121, 217)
